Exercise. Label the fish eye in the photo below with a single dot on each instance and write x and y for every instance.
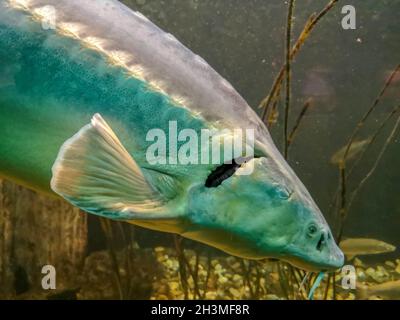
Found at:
(284, 193)
(312, 230)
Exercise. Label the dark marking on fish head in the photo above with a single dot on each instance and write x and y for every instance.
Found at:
(271, 210)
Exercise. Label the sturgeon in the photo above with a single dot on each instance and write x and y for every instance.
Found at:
(77, 103)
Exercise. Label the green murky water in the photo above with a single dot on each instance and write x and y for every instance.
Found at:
(341, 72)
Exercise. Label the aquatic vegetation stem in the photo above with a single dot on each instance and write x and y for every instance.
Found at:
(328, 284)
(208, 273)
(293, 133)
(313, 23)
(182, 266)
(247, 276)
(334, 295)
(310, 25)
(361, 156)
(130, 261)
(377, 161)
(127, 286)
(275, 92)
(282, 277)
(258, 283)
(302, 287)
(294, 281)
(369, 112)
(303, 278)
(342, 165)
(196, 276)
(107, 229)
(289, 31)
(373, 139)
(273, 115)
(342, 208)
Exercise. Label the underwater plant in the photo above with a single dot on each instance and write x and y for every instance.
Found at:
(289, 276)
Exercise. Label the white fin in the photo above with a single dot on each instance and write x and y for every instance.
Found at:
(94, 171)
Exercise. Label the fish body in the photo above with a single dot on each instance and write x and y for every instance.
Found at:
(388, 290)
(355, 149)
(364, 246)
(78, 102)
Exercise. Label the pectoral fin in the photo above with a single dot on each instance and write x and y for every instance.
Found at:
(95, 172)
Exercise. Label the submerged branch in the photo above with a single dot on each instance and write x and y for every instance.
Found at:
(289, 30)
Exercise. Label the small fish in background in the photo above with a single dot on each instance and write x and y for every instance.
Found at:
(388, 290)
(355, 149)
(364, 246)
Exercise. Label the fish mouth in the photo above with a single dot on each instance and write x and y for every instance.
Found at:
(333, 262)
(316, 266)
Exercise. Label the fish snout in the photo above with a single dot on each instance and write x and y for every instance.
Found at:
(335, 258)
(328, 253)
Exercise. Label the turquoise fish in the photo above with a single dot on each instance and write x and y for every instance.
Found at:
(82, 83)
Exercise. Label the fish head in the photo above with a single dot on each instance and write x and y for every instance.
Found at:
(270, 208)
